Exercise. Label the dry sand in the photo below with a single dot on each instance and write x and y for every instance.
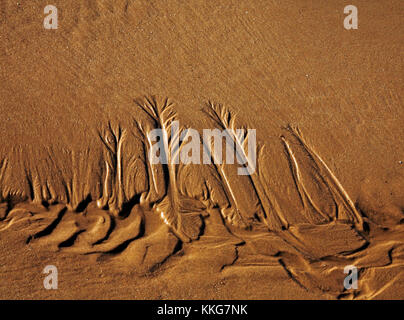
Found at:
(77, 190)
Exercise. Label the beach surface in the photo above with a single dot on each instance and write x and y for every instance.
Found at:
(324, 106)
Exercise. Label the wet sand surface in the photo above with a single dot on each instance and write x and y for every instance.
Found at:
(77, 189)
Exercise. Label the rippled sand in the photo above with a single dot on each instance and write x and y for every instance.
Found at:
(77, 189)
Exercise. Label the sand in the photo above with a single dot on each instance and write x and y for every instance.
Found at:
(77, 189)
